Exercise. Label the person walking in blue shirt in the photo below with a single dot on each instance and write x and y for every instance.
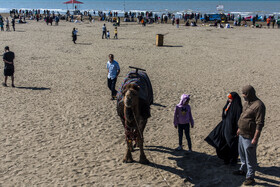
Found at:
(113, 72)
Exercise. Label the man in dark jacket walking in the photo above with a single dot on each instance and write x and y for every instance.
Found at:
(9, 70)
(13, 24)
(74, 35)
(250, 125)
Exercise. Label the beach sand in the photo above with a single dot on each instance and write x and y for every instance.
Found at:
(60, 128)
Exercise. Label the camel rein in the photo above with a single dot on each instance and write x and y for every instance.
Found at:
(130, 133)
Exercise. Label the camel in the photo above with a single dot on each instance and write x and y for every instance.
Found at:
(133, 107)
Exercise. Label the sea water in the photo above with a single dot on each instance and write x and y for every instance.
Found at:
(243, 7)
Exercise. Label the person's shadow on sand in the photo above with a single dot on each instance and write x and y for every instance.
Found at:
(198, 169)
(84, 43)
(201, 169)
(159, 105)
(33, 88)
(171, 46)
(272, 171)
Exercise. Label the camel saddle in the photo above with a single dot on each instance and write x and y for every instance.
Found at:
(142, 80)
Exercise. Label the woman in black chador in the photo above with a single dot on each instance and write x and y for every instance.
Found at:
(224, 137)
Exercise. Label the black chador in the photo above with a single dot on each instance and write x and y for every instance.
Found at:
(224, 137)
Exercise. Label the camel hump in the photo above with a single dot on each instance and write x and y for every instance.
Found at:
(143, 81)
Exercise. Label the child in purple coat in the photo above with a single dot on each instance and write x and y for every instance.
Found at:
(183, 119)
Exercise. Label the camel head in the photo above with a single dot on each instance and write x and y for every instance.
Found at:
(130, 93)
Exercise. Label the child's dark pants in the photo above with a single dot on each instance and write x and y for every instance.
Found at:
(181, 128)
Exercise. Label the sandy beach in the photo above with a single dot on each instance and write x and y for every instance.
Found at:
(58, 127)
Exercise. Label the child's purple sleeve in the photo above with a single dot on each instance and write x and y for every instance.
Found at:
(175, 117)
(191, 118)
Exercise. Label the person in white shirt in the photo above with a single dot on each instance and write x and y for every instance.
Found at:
(113, 73)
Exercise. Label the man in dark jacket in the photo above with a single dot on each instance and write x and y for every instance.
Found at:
(13, 24)
(250, 125)
(8, 59)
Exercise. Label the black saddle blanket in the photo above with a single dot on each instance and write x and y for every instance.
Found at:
(142, 80)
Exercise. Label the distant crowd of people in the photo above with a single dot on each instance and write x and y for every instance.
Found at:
(144, 18)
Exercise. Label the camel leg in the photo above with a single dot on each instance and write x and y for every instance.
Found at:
(128, 156)
(143, 158)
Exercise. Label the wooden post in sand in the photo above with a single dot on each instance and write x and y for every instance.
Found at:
(159, 40)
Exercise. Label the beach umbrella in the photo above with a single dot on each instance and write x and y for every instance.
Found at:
(73, 2)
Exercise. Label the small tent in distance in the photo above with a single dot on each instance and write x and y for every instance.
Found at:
(73, 2)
